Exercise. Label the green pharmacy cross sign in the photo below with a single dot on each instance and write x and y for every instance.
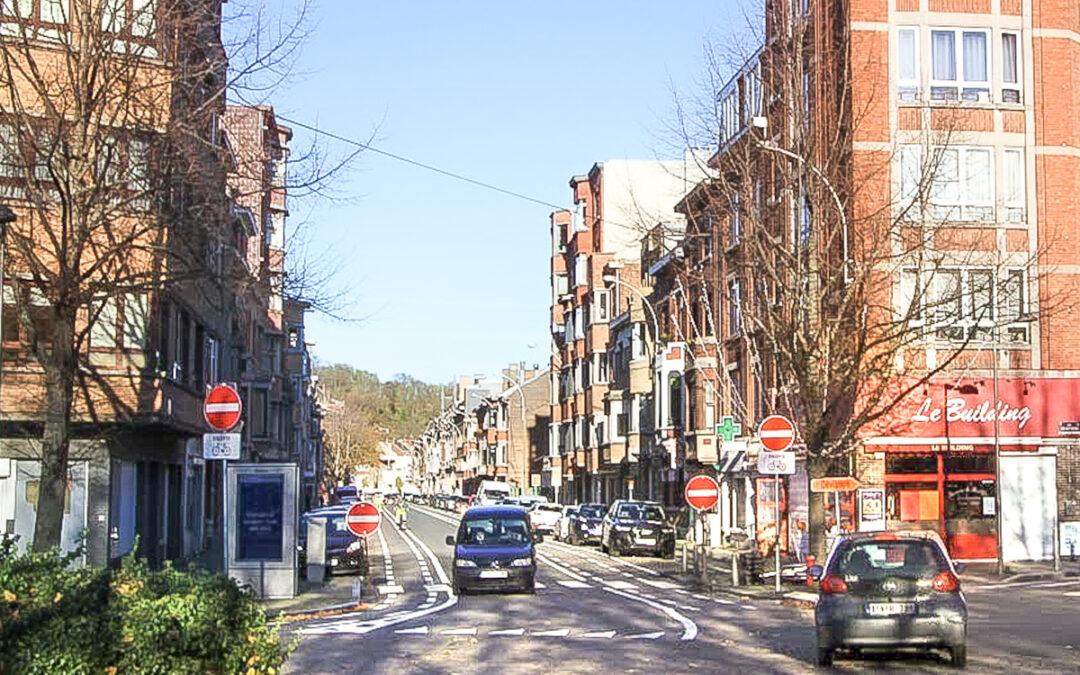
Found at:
(728, 429)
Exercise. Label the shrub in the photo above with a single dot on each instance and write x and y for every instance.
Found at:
(56, 617)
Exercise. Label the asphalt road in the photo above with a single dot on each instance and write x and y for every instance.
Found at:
(596, 614)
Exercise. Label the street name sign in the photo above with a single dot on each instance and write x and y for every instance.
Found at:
(222, 407)
(702, 492)
(776, 463)
(777, 433)
(363, 519)
(834, 484)
(221, 446)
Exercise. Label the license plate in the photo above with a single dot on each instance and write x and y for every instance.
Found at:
(494, 574)
(647, 542)
(889, 608)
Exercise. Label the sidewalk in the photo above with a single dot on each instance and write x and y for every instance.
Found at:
(338, 594)
(1018, 572)
(719, 581)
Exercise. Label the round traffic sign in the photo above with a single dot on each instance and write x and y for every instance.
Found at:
(776, 432)
(363, 518)
(702, 492)
(222, 407)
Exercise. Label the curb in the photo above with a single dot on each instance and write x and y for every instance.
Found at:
(298, 616)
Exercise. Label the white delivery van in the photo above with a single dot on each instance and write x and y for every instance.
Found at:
(491, 492)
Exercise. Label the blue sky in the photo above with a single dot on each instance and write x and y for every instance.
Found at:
(452, 279)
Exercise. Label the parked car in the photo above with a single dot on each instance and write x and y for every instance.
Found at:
(545, 517)
(459, 504)
(562, 531)
(586, 525)
(527, 502)
(345, 552)
(346, 494)
(494, 549)
(491, 492)
(890, 590)
(631, 526)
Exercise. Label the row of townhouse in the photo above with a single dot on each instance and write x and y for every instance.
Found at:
(945, 133)
(492, 429)
(136, 478)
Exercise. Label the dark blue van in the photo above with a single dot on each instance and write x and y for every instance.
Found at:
(494, 550)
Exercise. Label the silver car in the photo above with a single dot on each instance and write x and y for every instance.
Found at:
(889, 591)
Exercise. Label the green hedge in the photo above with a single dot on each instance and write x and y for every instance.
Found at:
(56, 617)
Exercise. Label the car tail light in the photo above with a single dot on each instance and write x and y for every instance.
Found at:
(833, 584)
(945, 582)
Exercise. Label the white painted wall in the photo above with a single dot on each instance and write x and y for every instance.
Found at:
(1029, 506)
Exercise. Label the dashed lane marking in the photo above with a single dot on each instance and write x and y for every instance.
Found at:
(458, 631)
(646, 636)
(422, 630)
(621, 585)
(512, 632)
(574, 584)
(560, 632)
(607, 635)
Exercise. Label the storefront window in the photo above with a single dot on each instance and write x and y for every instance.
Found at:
(903, 463)
(969, 463)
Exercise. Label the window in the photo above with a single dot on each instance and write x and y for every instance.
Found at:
(907, 75)
(581, 270)
(12, 327)
(1010, 68)
(579, 323)
(806, 219)
(136, 321)
(601, 312)
(962, 184)
(294, 337)
(259, 413)
(961, 65)
(562, 284)
(965, 303)
(11, 164)
(735, 219)
(734, 306)
(1013, 190)
(1013, 306)
(103, 333)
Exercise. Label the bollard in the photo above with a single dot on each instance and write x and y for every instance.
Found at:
(810, 560)
(735, 568)
(684, 561)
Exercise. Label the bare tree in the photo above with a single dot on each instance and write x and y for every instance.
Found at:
(350, 442)
(115, 163)
(857, 276)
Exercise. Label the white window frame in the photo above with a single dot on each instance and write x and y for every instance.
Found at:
(1016, 88)
(581, 269)
(734, 289)
(905, 85)
(601, 306)
(963, 207)
(1015, 204)
(960, 84)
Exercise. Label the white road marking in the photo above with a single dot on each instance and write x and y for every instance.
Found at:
(561, 632)
(574, 584)
(437, 588)
(690, 629)
(458, 631)
(621, 585)
(540, 586)
(690, 608)
(608, 634)
(666, 585)
(557, 568)
(720, 601)
(646, 636)
(512, 632)
(391, 589)
(422, 630)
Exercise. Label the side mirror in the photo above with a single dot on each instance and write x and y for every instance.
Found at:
(959, 567)
(450, 540)
(815, 572)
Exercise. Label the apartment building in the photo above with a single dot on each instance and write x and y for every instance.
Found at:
(956, 123)
(144, 351)
(258, 184)
(304, 412)
(595, 278)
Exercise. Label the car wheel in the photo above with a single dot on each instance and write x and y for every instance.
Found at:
(603, 549)
(530, 586)
(958, 656)
(824, 656)
(615, 551)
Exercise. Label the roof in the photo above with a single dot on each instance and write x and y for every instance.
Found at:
(496, 510)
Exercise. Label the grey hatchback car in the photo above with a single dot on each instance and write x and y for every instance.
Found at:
(889, 591)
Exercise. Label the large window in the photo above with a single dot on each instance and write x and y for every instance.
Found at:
(1010, 68)
(956, 182)
(908, 64)
(960, 65)
(965, 303)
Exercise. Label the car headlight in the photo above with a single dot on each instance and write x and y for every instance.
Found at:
(354, 547)
(521, 562)
(623, 528)
(464, 563)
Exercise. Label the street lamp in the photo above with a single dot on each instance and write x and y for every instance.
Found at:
(763, 124)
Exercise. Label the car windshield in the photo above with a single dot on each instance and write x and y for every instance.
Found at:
(550, 507)
(494, 531)
(640, 512)
(875, 560)
(592, 511)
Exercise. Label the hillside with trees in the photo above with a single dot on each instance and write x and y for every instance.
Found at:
(361, 410)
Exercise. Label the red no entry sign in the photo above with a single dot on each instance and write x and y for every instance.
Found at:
(363, 518)
(702, 492)
(776, 432)
(222, 407)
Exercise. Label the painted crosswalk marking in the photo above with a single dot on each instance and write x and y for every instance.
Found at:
(422, 630)
(574, 584)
